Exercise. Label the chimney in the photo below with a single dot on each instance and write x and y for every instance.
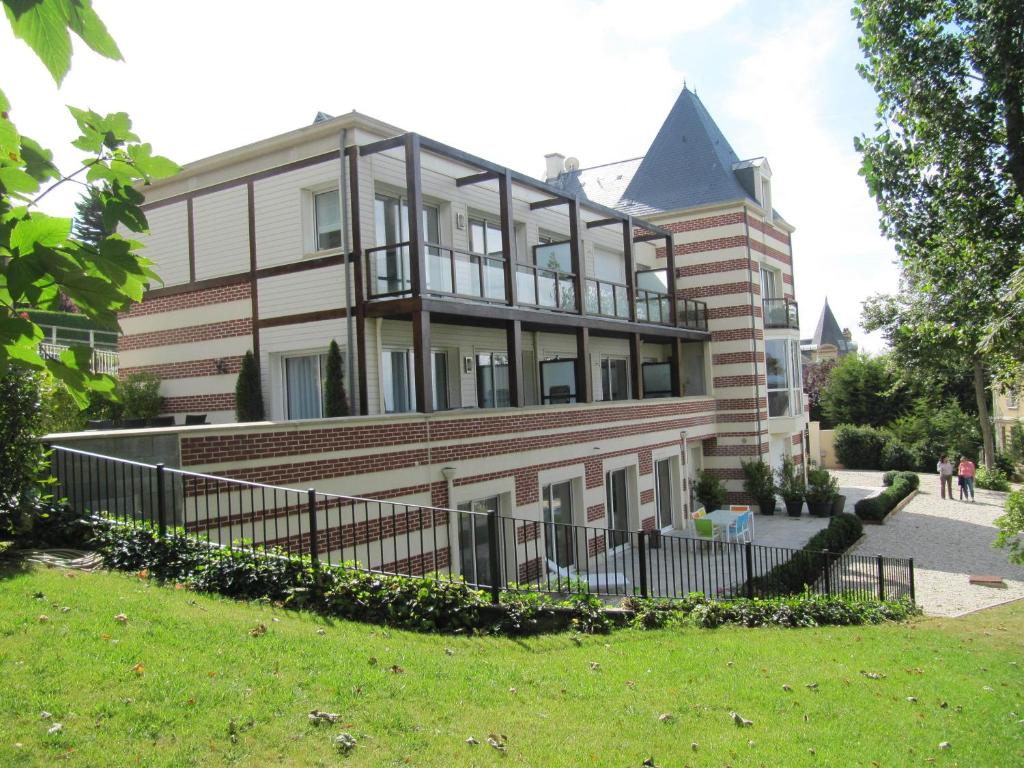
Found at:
(555, 164)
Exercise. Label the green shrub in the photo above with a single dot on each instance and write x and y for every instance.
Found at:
(859, 447)
(991, 479)
(249, 391)
(757, 480)
(807, 565)
(1011, 527)
(822, 486)
(21, 454)
(875, 508)
(710, 491)
(139, 394)
(898, 455)
(790, 481)
(335, 398)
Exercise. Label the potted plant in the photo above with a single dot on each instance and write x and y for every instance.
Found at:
(822, 489)
(758, 484)
(791, 487)
(709, 491)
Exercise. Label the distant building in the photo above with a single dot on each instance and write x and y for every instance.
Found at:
(828, 342)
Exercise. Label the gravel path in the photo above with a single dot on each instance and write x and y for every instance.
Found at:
(949, 540)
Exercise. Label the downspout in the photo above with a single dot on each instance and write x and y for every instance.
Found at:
(753, 331)
(350, 351)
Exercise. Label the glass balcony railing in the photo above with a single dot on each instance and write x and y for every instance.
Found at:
(781, 313)
(449, 271)
(547, 288)
(607, 298)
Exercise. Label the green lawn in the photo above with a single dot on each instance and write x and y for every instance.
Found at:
(163, 688)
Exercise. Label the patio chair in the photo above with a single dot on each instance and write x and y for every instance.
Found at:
(742, 529)
(704, 528)
(598, 581)
(739, 507)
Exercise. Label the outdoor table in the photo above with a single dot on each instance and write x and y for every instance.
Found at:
(723, 518)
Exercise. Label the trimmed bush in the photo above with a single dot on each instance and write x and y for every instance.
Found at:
(249, 391)
(875, 508)
(710, 491)
(991, 479)
(897, 455)
(859, 447)
(806, 566)
(335, 398)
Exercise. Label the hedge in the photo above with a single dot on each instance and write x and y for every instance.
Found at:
(900, 485)
(859, 447)
(806, 566)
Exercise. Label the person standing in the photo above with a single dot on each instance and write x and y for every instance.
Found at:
(945, 470)
(966, 472)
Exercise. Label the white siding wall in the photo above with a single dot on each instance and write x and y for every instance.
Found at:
(166, 245)
(221, 224)
(309, 291)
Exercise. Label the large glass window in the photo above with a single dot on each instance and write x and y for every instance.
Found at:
(558, 381)
(657, 379)
(391, 266)
(694, 379)
(492, 380)
(304, 386)
(558, 539)
(485, 239)
(617, 502)
(770, 284)
(782, 365)
(399, 381)
(327, 212)
(474, 549)
(614, 378)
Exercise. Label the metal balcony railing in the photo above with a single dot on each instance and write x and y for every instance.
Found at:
(781, 313)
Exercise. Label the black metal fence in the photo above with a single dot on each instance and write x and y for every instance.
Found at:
(489, 551)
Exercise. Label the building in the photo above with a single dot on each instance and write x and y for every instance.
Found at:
(1006, 414)
(828, 342)
(572, 350)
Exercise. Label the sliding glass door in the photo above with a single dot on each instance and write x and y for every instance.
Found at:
(617, 502)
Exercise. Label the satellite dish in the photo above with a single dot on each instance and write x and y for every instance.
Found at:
(572, 164)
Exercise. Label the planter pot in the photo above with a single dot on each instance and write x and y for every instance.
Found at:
(838, 504)
(820, 508)
(767, 505)
(795, 507)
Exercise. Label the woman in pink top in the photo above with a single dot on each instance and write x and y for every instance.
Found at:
(966, 471)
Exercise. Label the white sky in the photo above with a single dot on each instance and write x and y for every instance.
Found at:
(509, 82)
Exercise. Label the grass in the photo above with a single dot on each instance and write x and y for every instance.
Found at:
(163, 688)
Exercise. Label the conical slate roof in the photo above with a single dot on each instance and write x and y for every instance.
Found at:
(828, 330)
(690, 163)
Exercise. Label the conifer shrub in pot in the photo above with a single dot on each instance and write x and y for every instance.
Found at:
(709, 491)
(758, 483)
(790, 486)
(822, 489)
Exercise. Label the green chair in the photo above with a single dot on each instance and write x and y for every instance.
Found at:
(704, 528)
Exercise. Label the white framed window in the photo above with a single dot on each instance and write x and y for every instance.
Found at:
(327, 219)
(614, 378)
(694, 364)
(398, 380)
(492, 380)
(304, 385)
(559, 534)
(782, 366)
(474, 539)
(390, 265)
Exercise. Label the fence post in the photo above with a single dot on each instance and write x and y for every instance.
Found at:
(910, 564)
(314, 554)
(881, 578)
(494, 555)
(641, 538)
(828, 573)
(161, 503)
(748, 552)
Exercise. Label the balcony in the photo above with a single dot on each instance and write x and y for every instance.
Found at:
(781, 313)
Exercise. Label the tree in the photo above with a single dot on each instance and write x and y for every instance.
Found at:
(946, 168)
(40, 260)
(816, 377)
(249, 391)
(335, 399)
(865, 391)
(88, 226)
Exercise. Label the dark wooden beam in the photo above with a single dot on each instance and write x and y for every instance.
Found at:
(191, 228)
(421, 362)
(627, 252)
(648, 237)
(670, 258)
(384, 144)
(358, 279)
(414, 192)
(508, 236)
(302, 317)
(477, 178)
(514, 346)
(549, 203)
(604, 223)
(635, 366)
(584, 384)
(577, 262)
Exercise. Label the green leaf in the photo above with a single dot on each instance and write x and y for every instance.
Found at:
(150, 165)
(40, 229)
(5, 105)
(83, 21)
(42, 24)
(10, 142)
(15, 181)
(38, 160)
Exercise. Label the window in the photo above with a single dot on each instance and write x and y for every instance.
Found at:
(663, 495)
(1011, 398)
(618, 507)
(558, 530)
(694, 380)
(769, 284)
(766, 197)
(558, 381)
(782, 364)
(390, 267)
(614, 378)
(485, 240)
(327, 212)
(551, 284)
(399, 380)
(304, 386)
(553, 254)
(492, 380)
(474, 540)
(657, 379)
